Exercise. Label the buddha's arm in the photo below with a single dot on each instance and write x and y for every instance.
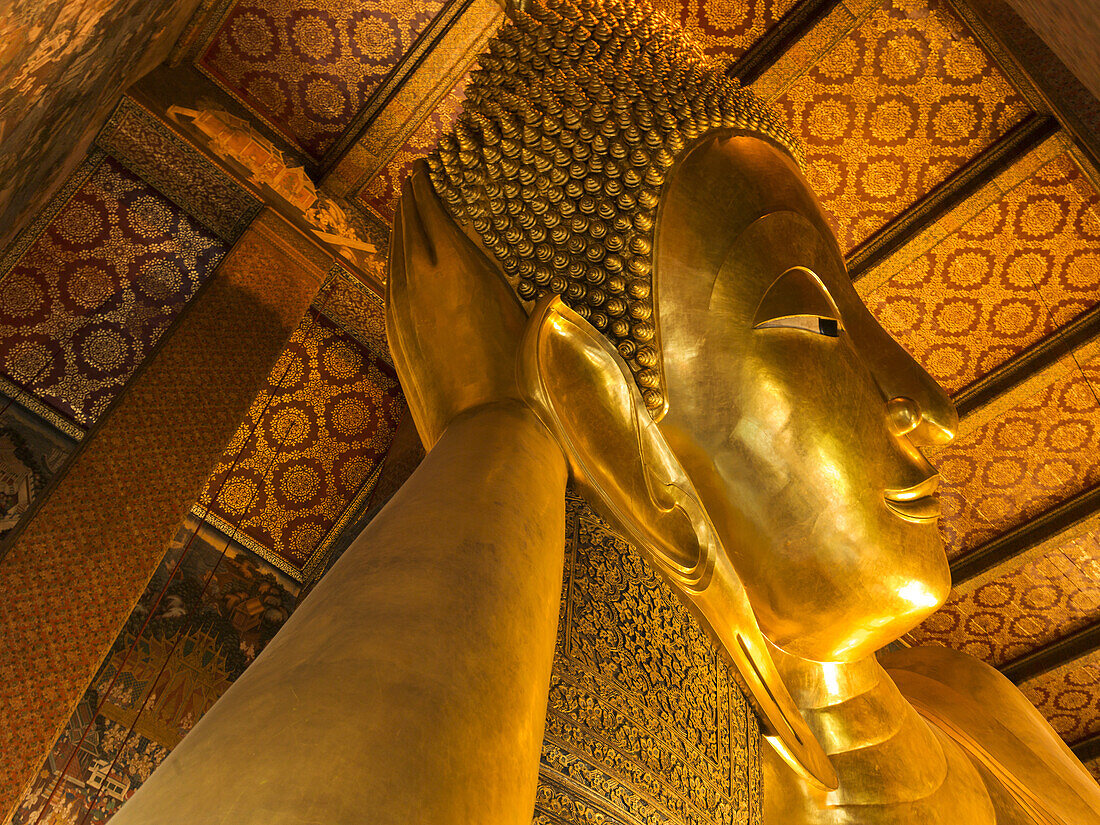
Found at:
(1030, 771)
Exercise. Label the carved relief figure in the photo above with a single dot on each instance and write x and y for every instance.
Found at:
(687, 342)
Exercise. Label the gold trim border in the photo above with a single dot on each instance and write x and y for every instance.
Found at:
(39, 408)
(316, 559)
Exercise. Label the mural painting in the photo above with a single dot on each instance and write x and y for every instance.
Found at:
(32, 453)
(209, 610)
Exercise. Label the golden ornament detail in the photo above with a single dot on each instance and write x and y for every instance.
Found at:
(570, 127)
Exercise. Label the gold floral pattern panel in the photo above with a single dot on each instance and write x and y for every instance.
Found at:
(1023, 267)
(91, 296)
(311, 446)
(645, 721)
(893, 109)
(1023, 609)
(1035, 455)
(1069, 698)
(725, 28)
(307, 67)
(383, 191)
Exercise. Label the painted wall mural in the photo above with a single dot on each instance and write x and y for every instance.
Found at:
(208, 611)
(87, 301)
(62, 66)
(32, 454)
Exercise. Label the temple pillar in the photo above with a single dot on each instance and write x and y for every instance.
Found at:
(74, 574)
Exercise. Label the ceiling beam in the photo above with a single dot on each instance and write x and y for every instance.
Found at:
(1032, 362)
(1060, 524)
(764, 53)
(1057, 654)
(1014, 144)
(1087, 749)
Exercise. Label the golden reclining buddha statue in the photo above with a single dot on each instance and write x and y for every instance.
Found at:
(613, 271)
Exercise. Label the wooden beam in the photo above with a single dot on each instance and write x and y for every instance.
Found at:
(1087, 749)
(1033, 360)
(1035, 70)
(1052, 656)
(763, 54)
(1059, 523)
(1017, 142)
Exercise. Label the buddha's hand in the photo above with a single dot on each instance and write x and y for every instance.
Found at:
(453, 323)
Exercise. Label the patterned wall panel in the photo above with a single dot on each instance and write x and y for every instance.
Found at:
(1021, 268)
(893, 109)
(306, 68)
(1021, 463)
(645, 724)
(356, 309)
(725, 28)
(1023, 609)
(90, 298)
(1069, 699)
(208, 611)
(155, 153)
(311, 445)
(384, 190)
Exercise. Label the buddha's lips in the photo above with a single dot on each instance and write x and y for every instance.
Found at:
(918, 503)
(918, 510)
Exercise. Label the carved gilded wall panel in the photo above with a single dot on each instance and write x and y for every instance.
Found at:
(645, 723)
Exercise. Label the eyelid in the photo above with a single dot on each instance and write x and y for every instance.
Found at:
(817, 324)
(798, 299)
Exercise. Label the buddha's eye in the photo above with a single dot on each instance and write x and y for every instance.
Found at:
(810, 323)
(798, 300)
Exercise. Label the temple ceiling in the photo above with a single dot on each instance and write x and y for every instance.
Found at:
(969, 212)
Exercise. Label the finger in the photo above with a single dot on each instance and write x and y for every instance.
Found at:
(436, 221)
(419, 249)
(397, 246)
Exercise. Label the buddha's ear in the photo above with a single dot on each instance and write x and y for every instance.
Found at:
(585, 394)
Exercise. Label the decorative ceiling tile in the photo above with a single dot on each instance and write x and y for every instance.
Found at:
(92, 295)
(307, 67)
(311, 446)
(1024, 266)
(1023, 609)
(1069, 698)
(725, 28)
(892, 110)
(384, 190)
(1037, 454)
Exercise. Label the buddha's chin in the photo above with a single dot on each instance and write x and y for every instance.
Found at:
(869, 608)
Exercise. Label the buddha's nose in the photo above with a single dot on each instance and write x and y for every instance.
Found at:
(931, 423)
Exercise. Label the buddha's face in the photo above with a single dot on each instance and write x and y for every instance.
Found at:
(796, 416)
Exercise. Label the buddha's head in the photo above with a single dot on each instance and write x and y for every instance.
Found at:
(602, 158)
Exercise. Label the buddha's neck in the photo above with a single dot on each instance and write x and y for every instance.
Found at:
(868, 729)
